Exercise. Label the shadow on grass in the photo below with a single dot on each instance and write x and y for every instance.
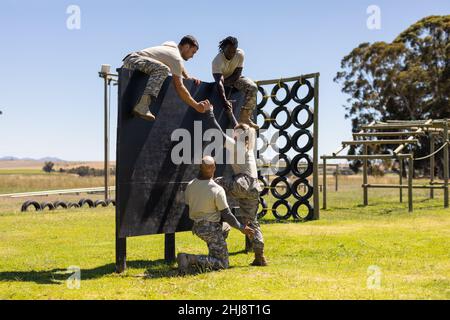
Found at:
(153, 270)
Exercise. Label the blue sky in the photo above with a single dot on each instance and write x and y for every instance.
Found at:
(52, 98)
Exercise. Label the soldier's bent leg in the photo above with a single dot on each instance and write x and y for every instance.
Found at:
(212, 234)
(248, 215)
(156, 70)
(249, 88)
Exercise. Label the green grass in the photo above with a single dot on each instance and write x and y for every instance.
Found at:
(22, 171)
(324, 259)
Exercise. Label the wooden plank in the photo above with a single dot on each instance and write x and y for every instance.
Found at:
(378, 142)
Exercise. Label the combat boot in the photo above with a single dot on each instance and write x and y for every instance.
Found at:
(141, 108)
(244, 117)
(260, 260)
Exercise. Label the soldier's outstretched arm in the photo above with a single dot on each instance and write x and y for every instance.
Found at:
(233, 77)
(229, 218)
(186, 96)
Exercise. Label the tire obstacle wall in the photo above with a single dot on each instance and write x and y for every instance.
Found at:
(149, 186)
(298, 126)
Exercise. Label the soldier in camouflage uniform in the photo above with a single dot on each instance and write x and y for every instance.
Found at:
(243, 186)
(158, 62)
(227, 69)
(208, 207)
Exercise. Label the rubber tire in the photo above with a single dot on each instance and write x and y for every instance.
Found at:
(308, 146)
(111, 201)
(47, 204)
(309, 189)
(266, 123)
(265, 190)
(275, 89)
(72, 205)
(82, 202)
(264, 99)
(29, 203)
(273, 118)
(288, 138)
(265, 143)
(274, 191)
(310, 214)
(100, 203)
(279, 203)
(285, 171)
(263, 212)
(61, 204)
(294, 166)
(294, 91)
(294, 116)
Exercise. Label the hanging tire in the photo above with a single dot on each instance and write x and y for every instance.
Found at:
(73, 205)
(48, 205)
(294, 92)
(277, 214)
(273, 118)
(297, 205)
(309, 168)
(276, 136)
(265, 143)
(283, 171)
(264, 98)
(30, 203)
(299, 196)
(89, 202)
(275, 89)
(265, 189)
(275, 192)
(267, 122)
(261, 213)
(294, 116)
(308, 146)
(61, 204)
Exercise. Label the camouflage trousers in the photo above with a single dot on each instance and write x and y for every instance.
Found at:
(249, 88)
(156, 70)
(214, 234)
(245, 191)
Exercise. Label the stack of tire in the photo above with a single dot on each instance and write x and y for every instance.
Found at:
(293, 187)
(40, 206)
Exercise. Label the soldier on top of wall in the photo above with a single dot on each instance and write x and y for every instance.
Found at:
(227, 69)
(158, 62)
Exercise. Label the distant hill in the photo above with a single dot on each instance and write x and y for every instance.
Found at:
(11, 158)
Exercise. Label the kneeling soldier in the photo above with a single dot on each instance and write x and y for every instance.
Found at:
(208, 207)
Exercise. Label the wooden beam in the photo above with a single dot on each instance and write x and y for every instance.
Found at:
(378, 142)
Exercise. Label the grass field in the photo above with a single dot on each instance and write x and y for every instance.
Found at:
(331, 258)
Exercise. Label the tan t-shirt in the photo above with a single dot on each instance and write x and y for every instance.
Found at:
(205, 199)
(168, 54)
(226, 67)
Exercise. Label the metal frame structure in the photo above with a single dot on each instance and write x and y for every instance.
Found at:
(315, 133)
(433, 128)
(108, 79)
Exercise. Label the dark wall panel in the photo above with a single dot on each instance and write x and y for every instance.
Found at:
(149, 186)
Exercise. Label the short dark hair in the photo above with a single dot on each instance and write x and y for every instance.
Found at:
(190, 40)
(228, 40)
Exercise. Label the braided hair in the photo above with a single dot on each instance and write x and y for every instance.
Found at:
(228, 40)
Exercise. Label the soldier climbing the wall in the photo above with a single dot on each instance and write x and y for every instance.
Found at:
(158, 62)
(227, 69)
(243, 186)
(208, 207)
